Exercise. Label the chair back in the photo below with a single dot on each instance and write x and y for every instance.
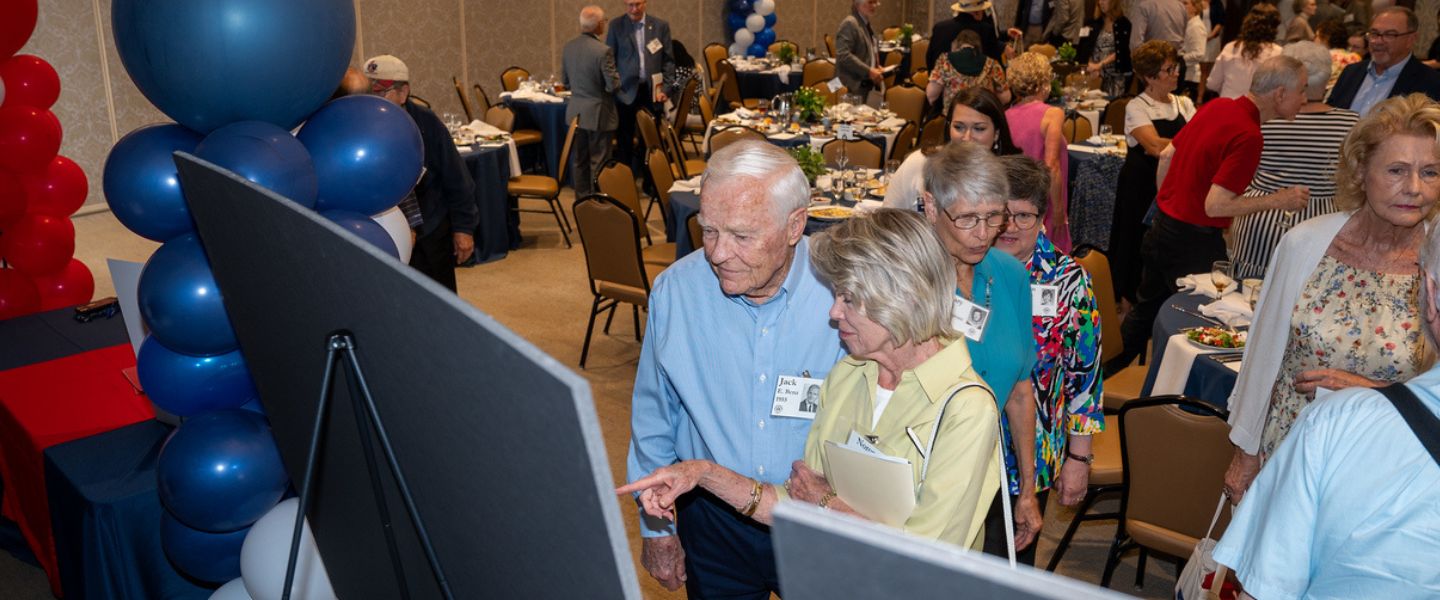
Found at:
(729, 84)
(464, 100)
(714, 53)
(830, 98)
(921, 79)
(917, 55)
(1076, 128)
(817, 71)
(830, 45)
(1045, 50)
(676, 150)
(482, 101)
(617, 181)
(1114, 114)
(892, 60)
(565, 149)
(510, 78)
(905, 141)
(501, 117)
(686, 99)
(661, 175)
(697, 236)
(707, 110)
(859, 153)
(610, 236)
(907, 102)
(730, 135)
(933, 133)
(1175, 452)
(1098, 266)
(649, 131)
(421, 101)
(775, 47)
(890, 34)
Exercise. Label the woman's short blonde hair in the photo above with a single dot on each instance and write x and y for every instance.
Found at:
(1029, 74)
(894, 267)
(1415, 114)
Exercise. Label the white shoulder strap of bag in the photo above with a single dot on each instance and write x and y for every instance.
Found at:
(1004, 482)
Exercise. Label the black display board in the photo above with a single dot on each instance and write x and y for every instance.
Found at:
(499, 442)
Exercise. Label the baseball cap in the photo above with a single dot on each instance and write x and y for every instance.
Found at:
(387, 67)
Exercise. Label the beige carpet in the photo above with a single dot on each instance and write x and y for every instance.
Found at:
(540, 292)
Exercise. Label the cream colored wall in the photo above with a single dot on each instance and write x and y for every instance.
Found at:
(470, 39)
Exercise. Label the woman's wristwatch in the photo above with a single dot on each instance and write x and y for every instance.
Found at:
(1088, 459)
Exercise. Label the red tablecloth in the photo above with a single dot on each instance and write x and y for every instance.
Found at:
(51, 403)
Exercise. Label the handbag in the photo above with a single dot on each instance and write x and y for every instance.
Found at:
(1004, 483)
(1203, 578)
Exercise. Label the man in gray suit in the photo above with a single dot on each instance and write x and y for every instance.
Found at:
(857, 58)
(589, 72)
(641, 44)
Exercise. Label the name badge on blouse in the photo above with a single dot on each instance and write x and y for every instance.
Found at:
(796, 397)
(969, 318)
(1044, 300)
(654, 46)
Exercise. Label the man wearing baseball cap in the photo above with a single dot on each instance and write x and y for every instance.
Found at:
(445, 192)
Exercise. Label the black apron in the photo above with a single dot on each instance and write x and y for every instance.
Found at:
(1133, 197)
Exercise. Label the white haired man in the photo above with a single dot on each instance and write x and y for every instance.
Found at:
(589, 72)
(734, 330)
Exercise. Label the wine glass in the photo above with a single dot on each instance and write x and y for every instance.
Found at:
(891, 166)
(1252, 290)
(1221, 276)
(1105, 132)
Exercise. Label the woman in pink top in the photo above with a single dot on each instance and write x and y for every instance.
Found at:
(1035, 128)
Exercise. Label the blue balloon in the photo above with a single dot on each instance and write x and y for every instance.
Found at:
(757, 49)
(765, 37)
(367, 153)
(188, 385)
(266, 155)
(221, 471)
(213, 557)
(141, 184)
(740, 7)
(734, 21)
(181, 302)
(770, 21)
(212, 63)
(365, 227)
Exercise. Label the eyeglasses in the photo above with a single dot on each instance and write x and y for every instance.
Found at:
(970, 220)
(380, 86)
(1171, 69)
(1024, 220)
(1388, 36)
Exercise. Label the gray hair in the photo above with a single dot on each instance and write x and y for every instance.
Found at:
(1278, 72)
(590, 18)
(1411, 21)
(965, 172)
(1316, 59)
(1029, 180)
(893, 265)
(766, 166)
(1430, 266)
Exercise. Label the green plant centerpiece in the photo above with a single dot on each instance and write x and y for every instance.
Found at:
(1065, 63)
(906, 32)
(786, 54)
(812, 163)
(1066, 52)
(809, 103)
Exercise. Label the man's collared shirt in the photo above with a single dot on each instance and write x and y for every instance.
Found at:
(640, 48)
(1376, 86)
(705, 385)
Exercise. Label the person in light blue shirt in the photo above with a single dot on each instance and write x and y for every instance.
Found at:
(724, 325)
(1390, 70)
(1346, 507)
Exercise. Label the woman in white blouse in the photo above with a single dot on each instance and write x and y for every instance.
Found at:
(1236, 63)
(1193, 50)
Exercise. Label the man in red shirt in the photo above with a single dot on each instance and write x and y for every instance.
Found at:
(1203, 172)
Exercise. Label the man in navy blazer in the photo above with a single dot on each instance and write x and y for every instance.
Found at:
(1391, 70)
(641, 44)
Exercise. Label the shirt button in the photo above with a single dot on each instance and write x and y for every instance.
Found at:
(762, 378)
(765, 331)
(762, 424)
(760, 469)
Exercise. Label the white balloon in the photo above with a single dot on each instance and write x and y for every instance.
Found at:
(266, 550)
(234, 590)
(737, 49)
(394, 223)
(745, 37)
(765, 7)
(755, 23)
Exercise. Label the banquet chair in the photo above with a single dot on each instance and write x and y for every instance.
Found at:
(730, 88)
(908, 102)
(889, 34)
(921, 79)
(892, 60)
(482, 101)
(464, 101)
(1076, 128)
(1124, 386)
(729, 135)
(697, 235)
(610, 236)
(933, 133)
(504, 119)
(663, 178)
(544, 187)
(421, 101)
(918, 49)
(830, 45)
(1170, 488)
(1106, 477)
(510, 78)
(859, 153)
(649, 131)
(905, 141)
(1045, 50)
(1114, 114)
(617, 181)
(817, 71)
(714, 54)
(830, 98)
(684, 101)
(775, 47)
(670, 140)
(695, 132)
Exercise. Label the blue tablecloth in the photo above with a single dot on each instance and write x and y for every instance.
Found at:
(549, 118)
(1093, 179)
(766, 85)
(499, 230)
(105, 513)
(1209, 380)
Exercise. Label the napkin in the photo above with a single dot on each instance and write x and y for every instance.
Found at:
(892, 123)
(478, 127)
(1198, 284)
(867, 205)
(745, 113)
(530, 96)
(784, 72)
(686, 185)
(1232, 309)
(783, 136)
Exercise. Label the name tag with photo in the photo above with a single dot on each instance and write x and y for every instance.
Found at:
(796, 397)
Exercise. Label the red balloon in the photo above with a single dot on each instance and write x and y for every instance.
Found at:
(12, 198)
(29, 138)
(30, 81)
(18, 295)
(17, 22)
(70, 286)
(57, 191)
(38, 244)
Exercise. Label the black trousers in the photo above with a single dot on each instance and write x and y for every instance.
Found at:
(625, 144)
(434, 255)
(727, 555)
(995, 543)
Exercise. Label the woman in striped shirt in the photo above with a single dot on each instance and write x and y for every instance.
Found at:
(1302, 152)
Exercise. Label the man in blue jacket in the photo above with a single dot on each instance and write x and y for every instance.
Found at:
(1391, 70)
(641, 44)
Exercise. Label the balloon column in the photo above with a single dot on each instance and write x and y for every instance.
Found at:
(752, 26)
(39, 189)
(236, 92)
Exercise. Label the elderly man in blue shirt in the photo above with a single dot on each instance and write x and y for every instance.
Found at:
(1345, 508)
(736, 333)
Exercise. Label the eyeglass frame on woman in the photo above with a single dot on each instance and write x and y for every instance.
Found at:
(1015, 217)
(988, 219)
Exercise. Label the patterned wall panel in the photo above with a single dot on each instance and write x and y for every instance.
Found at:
(132, 109)
(65, 37)
(426, 35)
(501, 33)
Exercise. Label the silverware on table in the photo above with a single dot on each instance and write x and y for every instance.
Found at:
(1198, 315)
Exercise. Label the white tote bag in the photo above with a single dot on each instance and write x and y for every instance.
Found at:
(1202, 565)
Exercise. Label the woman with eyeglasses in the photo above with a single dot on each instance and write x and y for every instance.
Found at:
(964, 200)
(1066, 330)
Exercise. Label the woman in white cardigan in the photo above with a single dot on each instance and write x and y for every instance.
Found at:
(1340, 304)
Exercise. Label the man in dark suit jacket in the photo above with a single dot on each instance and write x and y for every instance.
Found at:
(1392, 69)
(641, 45)
(588, 69)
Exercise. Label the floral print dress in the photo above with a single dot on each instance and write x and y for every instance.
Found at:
(1359, 321)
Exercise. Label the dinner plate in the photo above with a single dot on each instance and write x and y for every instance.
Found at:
(830, 213)
(1209, 347)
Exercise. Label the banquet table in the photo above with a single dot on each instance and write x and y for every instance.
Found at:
(499, 230)
(755, 78)
(685, 201)
(882, 133)
(549, 119)
(1208, 380)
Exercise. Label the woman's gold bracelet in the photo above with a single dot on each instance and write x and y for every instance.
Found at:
(825, 500)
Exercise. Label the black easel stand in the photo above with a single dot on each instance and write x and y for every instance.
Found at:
(340, 346)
